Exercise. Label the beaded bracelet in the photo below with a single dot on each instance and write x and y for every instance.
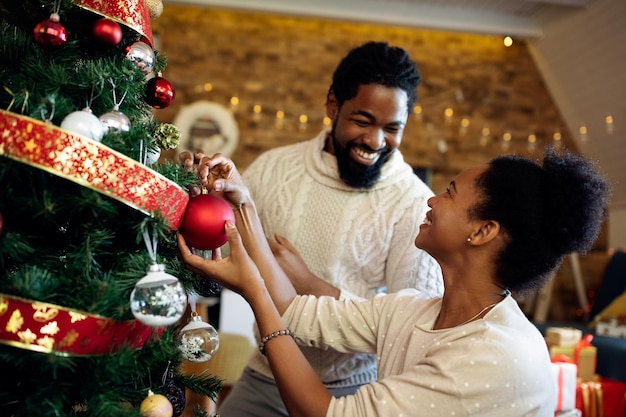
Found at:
(284, 332)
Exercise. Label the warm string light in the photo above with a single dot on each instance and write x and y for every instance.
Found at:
(608, 120)
(418, 113)
(506, 140)
(256, 110)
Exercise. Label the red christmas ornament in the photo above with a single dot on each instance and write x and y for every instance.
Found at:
(1, 224)
(50, 33)
(107, 31)
(204, 220)
(159, 92)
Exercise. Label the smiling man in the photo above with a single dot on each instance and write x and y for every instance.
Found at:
(342, 211)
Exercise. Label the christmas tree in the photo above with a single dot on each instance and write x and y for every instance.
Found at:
(92, 294)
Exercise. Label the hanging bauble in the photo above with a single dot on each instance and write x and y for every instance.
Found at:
(156, 405)
(204, 220)
(158, 299)
(50, 33)
(115, 121)
(107, 31)
(142, 55)
(155, 8)
(1, 224)
(175, 393)
(159, 92)
(152, 155)
(198, 341)
(84, 123)
(207, 288)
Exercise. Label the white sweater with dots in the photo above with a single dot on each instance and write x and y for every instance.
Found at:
(361, 241)
(496, 366)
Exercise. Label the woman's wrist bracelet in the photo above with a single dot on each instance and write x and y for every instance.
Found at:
(264, 340)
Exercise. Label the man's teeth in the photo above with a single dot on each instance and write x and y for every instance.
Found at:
(365, 155)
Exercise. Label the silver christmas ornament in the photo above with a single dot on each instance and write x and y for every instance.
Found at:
(158, 299)
(115, 121)
(142, 55)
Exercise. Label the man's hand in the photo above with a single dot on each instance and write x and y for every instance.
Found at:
(296, 270)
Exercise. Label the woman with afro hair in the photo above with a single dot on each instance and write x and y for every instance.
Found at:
(498, 228)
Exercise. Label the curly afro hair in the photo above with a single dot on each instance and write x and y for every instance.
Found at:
(375, 63)
(546, 212)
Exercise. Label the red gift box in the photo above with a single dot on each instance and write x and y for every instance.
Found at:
(602, 398)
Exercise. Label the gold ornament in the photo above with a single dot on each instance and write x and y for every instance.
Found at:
(155, 8)
(156, 405)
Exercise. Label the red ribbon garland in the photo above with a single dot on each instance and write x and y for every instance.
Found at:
(50, 328)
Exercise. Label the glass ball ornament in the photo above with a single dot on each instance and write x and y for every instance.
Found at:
(198, 341)
(204, 220)
(49, 33)
(115, 121)
(158, 299)
(142, 55)
(85, 123)
(152, 155)
(156, 405)
(160, 92)
(107, 31)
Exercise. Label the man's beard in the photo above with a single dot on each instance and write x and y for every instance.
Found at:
(354, 174)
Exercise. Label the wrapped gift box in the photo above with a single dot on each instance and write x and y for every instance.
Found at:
(612, 328)
(583, 357)
(565, 377)
(601, 398)
(563, 336)
(569, 413)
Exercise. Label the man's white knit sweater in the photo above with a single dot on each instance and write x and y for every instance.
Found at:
(360, 241)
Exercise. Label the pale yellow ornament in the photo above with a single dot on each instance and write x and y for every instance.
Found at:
(156, 405)
(155, 8)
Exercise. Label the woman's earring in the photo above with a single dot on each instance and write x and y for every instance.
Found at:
(469, 239)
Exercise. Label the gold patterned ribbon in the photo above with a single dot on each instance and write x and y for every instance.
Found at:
(50, 328)
(91, 164)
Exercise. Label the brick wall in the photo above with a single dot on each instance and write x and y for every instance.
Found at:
(283, 63)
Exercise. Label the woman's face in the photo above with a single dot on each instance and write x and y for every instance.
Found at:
(447, 225)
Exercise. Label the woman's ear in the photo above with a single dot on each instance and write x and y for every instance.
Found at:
(487, 231)
(331, 105)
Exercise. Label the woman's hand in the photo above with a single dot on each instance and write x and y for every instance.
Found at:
(218, 174)
(236, 272)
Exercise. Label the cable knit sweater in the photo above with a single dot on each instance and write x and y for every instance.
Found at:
(361, 241)
(493, 367)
